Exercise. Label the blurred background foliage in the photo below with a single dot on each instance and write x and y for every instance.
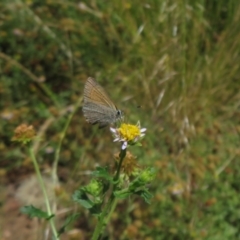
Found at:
(177, 60)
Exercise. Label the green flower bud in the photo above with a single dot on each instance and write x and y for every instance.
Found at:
(147, 175)
(94, 188)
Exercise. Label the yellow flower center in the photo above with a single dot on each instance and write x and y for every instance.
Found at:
(129, 132)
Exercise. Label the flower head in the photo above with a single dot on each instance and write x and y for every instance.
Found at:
(24, 133)
(128, 134)
(130, 167)
(147, 175)
(94, 188)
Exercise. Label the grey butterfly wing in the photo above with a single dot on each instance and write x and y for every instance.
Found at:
(97, 106)
(96, 113)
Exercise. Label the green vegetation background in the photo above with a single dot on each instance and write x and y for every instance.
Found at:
(178, 60)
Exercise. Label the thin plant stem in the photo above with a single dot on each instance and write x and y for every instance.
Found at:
(62, 136)
(110, 206)
(40, 179)
(56, 158)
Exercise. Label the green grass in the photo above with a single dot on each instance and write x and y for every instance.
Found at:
(178, 60)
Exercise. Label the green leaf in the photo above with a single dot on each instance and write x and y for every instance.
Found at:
(32, 211)
(81, 197)
(138, 144)
(69, 220)
(96, 209)
(122, 194)
(145, 194)
(102, 173)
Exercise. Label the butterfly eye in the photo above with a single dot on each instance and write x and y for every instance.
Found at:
(119, 113)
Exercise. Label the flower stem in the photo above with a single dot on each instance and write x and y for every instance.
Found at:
(121, 156)
(110, 206)
(59, 145)
(40, 179)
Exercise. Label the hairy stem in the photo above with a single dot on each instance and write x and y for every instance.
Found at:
(111, 204)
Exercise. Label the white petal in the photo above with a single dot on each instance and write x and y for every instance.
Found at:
(114, 130)
(124, 146)
(143, 130)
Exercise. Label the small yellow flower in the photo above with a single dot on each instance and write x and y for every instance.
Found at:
(128, 133)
